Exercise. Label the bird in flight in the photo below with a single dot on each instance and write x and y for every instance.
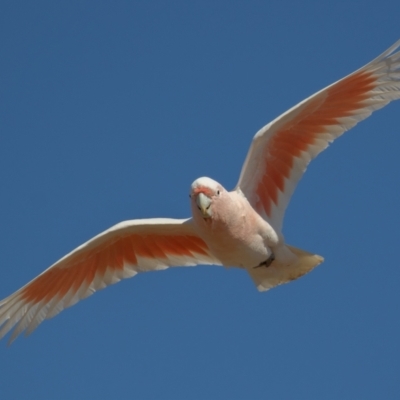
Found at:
(241, 228)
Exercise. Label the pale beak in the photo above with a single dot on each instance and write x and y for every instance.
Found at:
(203, 203)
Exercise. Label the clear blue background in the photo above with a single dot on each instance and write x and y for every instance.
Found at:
(109, 110)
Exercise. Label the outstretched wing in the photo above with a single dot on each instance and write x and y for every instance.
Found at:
(281, 150)
(120, 252)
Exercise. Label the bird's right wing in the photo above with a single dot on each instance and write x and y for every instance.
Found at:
(281, 150)
(119, 252)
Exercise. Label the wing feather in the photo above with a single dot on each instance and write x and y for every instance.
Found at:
(281, 150)
(120, 252)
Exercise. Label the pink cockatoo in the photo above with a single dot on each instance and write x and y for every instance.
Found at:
(241, 228)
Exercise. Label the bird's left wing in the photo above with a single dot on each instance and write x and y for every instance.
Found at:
(281, 150)
(119, 252)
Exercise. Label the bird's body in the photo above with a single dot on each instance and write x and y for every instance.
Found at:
(241, 228)
(236, 234)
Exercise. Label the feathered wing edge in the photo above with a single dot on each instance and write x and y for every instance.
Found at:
(118, 253)
(281, 151)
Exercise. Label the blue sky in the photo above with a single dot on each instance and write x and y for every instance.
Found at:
(109, 111)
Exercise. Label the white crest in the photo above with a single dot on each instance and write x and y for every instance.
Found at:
(206, 182)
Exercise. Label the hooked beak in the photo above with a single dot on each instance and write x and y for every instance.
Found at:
(203, 203)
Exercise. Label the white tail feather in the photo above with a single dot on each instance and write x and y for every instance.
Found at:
(277, 274)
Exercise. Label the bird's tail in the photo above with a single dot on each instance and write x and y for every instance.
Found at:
(276, 274)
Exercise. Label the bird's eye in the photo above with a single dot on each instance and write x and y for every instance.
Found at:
(217, 192)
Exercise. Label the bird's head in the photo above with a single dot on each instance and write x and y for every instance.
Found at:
(204, 193)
